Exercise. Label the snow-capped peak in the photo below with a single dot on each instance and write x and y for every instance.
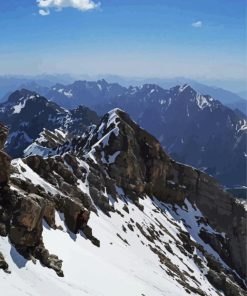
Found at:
(183, 87)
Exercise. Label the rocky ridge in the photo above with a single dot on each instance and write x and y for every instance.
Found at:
(87, 93)
(117, 168)
(27, 113)
(193, 128)
(24, 207)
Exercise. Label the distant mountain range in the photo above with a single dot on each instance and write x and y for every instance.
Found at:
(227, 97)
(27, 114)
(47, 85)
(9, 83)
(193, 128)
(87, 93)
(243, 94)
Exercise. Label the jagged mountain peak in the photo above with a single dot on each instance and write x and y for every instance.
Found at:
(149, 87)
(27, 113)
(186, 93)
(144, 89)
(192, 127)
(20, 99)
(149, 203)
(84, 92)
(21, 94)
(186, 88)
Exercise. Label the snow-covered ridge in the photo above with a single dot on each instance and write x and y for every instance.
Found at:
(242, 125)
(26, 173)
(103, 134)
(148, 246)
(42, 146)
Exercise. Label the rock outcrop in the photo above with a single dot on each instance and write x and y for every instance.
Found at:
(142, 167)
(4, 158)
(24, 208)
(117, 160)
(193, 127)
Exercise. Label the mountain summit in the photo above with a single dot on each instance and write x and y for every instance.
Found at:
(113, 205)
(27, 114)
(193, 128)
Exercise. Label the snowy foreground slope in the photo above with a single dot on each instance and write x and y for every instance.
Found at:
(110, 213)
(123, 265)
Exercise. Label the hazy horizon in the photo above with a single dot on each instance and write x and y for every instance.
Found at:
(234, 85)
(172, 39)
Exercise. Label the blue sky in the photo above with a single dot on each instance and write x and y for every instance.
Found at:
(161, 38)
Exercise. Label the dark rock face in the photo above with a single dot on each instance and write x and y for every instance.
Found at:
(4, 158)
(76, 216)
(119, 160)
(22, 212)
(21, 218)
(142, 167)
(193, 128)
(3, 264)
(223, 213)
(228, 287)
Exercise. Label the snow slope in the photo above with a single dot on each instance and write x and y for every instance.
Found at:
(118, 267)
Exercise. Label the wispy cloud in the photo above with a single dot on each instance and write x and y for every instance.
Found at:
(44, 12)
(82, 5)
(197, 24)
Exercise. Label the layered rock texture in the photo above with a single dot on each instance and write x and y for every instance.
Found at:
(132, 215)
(24, 207)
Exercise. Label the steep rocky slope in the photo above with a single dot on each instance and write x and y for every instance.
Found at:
(154, 227)
(23, 207)
(193, 128)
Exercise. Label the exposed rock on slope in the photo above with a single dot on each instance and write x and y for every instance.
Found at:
(195, 129)
(143, 205)
(23, 207)
(4, 158)
(141, 167)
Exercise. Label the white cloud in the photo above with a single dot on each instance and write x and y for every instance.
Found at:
(58, 5)
(197, 24)
(44, 12)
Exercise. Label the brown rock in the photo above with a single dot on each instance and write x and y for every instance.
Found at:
(29, 213)
(4, 158)
(76, 216)
(49, 214)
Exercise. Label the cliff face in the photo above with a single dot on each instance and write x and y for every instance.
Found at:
(223, 212)
(143, 168)
(24, 208)
(118, 163)
(4, 158)
(21, 217)
(194, 128)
